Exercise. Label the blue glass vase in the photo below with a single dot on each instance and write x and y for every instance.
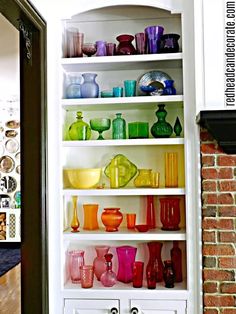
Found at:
(169, 88)
(73, 88)
(89, 88)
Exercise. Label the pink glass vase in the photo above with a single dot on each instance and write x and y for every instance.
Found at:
(87, 274)
(170, 213)
(126, 257)
(150, 214)
(76, 260)
(99, 262)
(108, 278)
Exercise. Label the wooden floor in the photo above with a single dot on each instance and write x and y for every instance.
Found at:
(10, 291)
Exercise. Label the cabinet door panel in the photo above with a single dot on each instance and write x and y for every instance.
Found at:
(90, 306)
(159, 306)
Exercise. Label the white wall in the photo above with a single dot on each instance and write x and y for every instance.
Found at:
(9, 60)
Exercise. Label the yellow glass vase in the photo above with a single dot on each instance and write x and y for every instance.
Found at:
(171, 170)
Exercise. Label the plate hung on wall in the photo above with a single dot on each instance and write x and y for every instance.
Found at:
(8, 184)
(18, 169)
(2, 149)
(13, 124)
(17, 157)
(7, 164)
(12, 146)
(11, 133)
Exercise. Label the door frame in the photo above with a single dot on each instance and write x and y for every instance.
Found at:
(32, 32)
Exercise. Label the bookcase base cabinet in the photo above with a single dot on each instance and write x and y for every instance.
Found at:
(95, 306)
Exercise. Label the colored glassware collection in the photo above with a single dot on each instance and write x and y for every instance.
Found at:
(128, 269)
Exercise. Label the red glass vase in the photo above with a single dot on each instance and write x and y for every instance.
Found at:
(154, 269)
(125, 46)
(170, 213)
(176, 258)
(150, 214)
(168, 274)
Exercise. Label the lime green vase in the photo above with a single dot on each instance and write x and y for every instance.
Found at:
(79, 130)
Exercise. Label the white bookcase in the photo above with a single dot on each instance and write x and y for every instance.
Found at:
(105, 20)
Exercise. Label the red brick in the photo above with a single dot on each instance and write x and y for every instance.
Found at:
(218, 300)
(209, 186)
(227, 237)
(228, 311)
(227, 211)
(209, 211)
(208, 161)
(229, 288)
(213, 274)
(209, 236)
(209, 173)
(218, 249)
(213, 223)
(225, 173)
(224, 186)
(210, 198)
(210, 311)
(226, 160)
(210, 287)
(225, 198)
(227, 262)
(205, 135)
(211, 148)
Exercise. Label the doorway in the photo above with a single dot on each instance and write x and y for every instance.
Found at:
(32, 50)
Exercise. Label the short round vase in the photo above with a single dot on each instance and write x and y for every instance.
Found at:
(169, 88)
(112, 218)
(125, 46)
(161, 128)
(99, 262)
(89, 88)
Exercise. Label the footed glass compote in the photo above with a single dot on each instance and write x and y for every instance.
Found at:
(100, 125)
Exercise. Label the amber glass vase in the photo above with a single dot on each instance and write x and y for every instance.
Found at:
(75, 220)
(90, 216)
(171, 170)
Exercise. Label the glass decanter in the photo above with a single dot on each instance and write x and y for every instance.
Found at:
(79, 130)
(108, 278)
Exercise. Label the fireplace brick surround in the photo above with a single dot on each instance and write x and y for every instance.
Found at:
(218, 171)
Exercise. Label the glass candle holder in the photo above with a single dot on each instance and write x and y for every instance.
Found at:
(90, 216)
(76, 260)
(171, 170)
(87, 274)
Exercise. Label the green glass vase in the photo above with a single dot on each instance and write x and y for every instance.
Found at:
(161, 128)
(118, 127)
(79, 130)
(177, 127)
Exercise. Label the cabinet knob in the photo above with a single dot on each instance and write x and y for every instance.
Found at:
(134, 310)
(114, 310)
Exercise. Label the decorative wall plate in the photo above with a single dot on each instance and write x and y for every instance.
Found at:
(7, 164)
(11, 133)
(13, 124)
(18, 169)
(17, 157)
(8, 184)
(12, 146)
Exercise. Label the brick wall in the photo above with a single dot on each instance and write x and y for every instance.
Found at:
(218, 227)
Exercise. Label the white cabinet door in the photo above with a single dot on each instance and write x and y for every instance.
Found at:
(91, 306)
(159, 306)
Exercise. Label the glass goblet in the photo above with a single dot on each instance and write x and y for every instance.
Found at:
(89, 49)
(100, 125)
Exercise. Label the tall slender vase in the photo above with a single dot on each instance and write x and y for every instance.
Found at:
(75, 220)
(126, 257)
(89, 88)
(150, 215)
(176, 258)
(99, 262)
(155, 265)
(76, 260)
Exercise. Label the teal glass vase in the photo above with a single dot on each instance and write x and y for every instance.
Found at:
(118, 127)
(161, 128)
(79, 130)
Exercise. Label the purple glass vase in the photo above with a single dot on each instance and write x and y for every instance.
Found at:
(89, 88)
(126, 257)
(101, 48)
(99, 262)
(154, 34)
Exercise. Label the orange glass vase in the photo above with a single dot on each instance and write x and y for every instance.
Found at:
(90, 216)
(112, 218)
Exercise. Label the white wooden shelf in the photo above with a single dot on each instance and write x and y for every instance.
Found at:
(125, 234)
(121, 103)
(124, 192)
(113, 63)
(128, 142)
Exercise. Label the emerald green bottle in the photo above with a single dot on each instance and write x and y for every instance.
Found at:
(161, 128)
(118, 127)
(79, 130)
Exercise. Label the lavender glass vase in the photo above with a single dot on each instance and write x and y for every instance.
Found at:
(126, 257)
(89, 88)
